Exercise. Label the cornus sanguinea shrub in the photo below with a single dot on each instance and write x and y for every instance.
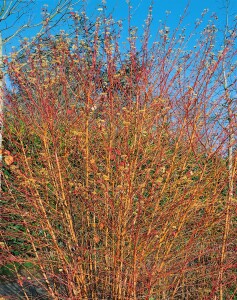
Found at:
(116, 171)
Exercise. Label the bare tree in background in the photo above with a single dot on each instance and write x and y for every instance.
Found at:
(13, 20)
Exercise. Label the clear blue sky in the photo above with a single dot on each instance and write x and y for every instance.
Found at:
(140, 7)
(119, 10)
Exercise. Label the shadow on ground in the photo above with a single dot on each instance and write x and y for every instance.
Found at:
(13, 290)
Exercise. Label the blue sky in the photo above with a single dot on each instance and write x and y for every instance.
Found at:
(140, 8)
(176, 8)
(119, 10)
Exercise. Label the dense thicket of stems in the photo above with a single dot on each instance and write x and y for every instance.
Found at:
(115, 174)
(15, 18)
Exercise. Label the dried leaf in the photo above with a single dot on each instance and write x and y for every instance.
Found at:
(101, 226)
(9, 160)
(96, 239)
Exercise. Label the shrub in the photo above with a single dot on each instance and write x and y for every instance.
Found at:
(115, 177)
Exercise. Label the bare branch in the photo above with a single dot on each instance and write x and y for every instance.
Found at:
(3, 8)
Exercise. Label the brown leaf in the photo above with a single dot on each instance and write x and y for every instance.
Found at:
(96, 239)
(9, 160)
(101, 225)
